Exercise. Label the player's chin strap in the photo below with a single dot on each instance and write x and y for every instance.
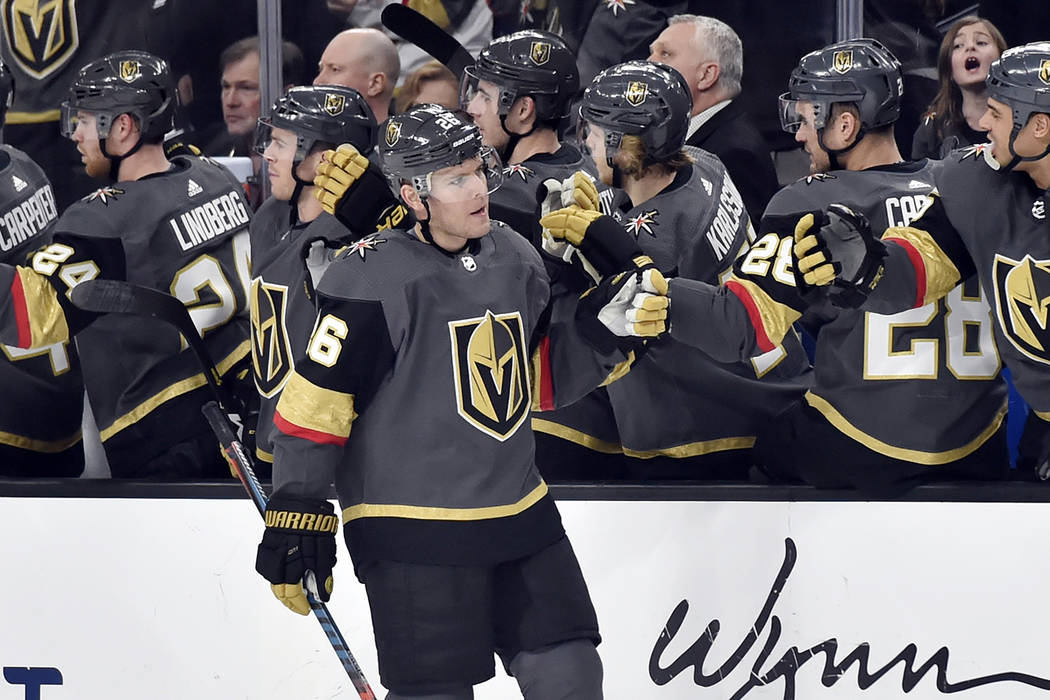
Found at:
(293, 215)
(613, 139)
(115, 161)
(512, 141)
(834, 153)
(1017, 158)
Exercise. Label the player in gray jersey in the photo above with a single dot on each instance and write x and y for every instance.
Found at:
(40, 418)
(292, 238)
(413, 396)
(181, 227)
(686, 214)
(988, 216)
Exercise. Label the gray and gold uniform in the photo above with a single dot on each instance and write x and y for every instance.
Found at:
(183, 231)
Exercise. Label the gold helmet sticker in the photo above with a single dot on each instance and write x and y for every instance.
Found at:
(1044, 71)
(636, 92)
(130, 70)
(334, 103)
(1022, 302)
(393, 132)
(42, 34)
(843, 62)
(540, 52)
(490, 372)
(271, 348)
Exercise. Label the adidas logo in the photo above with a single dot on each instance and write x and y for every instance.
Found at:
(193, 189)
(916, 185)
(708, 187)
(19, 183)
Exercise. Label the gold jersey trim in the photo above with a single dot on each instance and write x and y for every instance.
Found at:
(541, 425)
(306, 405)
(376, 510)
(777, 318)
(694, 449)
(47, 320)
(45, 446)
(918, 456)
(263, 456)
(1045, 415)
(177, 389)
(50, 115)
(941, 273)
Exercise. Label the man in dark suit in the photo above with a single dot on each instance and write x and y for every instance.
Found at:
(708, 53)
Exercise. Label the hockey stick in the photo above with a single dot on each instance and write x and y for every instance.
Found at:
(418, 29)
(112, 296)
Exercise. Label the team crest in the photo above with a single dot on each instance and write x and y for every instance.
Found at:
(1044, 71)
(517, 169)
(540, 52)
(617, 5)
(642, 222)
(636, 92)
(818, 177)
(490, 373)
(104, 194)
(1022, 302)
(393, 133)
(367, 243)
(843, 62)
(271, 349)
(334, 103)
(130, 71)
(42, 34)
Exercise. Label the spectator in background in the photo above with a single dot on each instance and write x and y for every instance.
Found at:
(430, 83)
(967, 51)
(708, 53)
(619, 31)
(365, 60)
(239, 64)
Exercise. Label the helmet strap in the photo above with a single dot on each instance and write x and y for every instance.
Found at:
(834, 153)
(514, 138)
(115, 161)
(1016, 158)
(297, 191)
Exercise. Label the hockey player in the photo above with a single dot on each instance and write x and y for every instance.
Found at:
(292, 239)
(40, 419)
(987, 217)
(684, 211)
(180, 227)
(413, 397)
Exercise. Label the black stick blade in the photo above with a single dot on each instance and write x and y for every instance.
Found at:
(416, 28)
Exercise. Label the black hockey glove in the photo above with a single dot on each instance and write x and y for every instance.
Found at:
(299, 540)
(623, 310)
(353, 189)
(836, 249)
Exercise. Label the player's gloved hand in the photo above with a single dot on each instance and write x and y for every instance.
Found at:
(299, 539)
(352, 189)
(601, 240)
(623, 308)
(837, 249)
(577, 189)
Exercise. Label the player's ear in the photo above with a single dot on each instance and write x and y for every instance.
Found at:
(410, 197)
(1041, 126)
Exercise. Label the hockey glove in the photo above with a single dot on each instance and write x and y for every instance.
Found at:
(297, 549)
(601, 240)
(622, 309)
(837, 249)
(352, 189)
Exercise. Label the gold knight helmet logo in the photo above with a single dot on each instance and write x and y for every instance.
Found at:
(540, 52)
(130, 71)
(271, 348)
(1044, 71)
(42, 34)
(636, 92)
(1022, 302)
(334, 103)
(393, 132)
(490, 371)
(843, 62)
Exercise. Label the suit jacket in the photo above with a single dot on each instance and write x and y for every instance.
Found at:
(733, 137)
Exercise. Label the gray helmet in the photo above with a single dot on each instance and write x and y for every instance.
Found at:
(327, 114)
(1020, 78)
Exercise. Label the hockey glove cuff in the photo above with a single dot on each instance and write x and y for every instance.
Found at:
(602, 240)
(622, 309)
(352, 189)
(299, 540)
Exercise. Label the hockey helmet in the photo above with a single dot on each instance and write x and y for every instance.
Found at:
(858, 71)
(125, 82)
(427, 138)
(1021, 79)
(324, 114)
(649, 100)
(528, 63)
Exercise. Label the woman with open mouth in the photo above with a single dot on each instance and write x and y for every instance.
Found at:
(967, 50)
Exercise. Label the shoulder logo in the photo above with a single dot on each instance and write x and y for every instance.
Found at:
(642, 222)
(193, 189)
(819, 177)
(490, 372)
(19, 183)
(980, 151)
(42, 34)
(363, 245)
(1044, 71)
(842, 63)
(1022, 302)
(708, 187)
(393, 132)
(334, 103)
(1039, 209)
(130, 71)
(616, 5)
(517, 169)
(271, 349)
(104, 194)
(540, 52)
(636, 92)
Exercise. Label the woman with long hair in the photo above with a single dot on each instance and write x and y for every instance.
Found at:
(966, 52)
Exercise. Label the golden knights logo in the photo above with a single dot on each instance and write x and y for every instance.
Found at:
(271, 350)
(130, 71)
(334, 103)
(42, 34)
(643, 221)
(1022, 302)
(1044, 71)
(393, 133)
(636, 92)
(490, 372)
(540, 52)
(843, 62)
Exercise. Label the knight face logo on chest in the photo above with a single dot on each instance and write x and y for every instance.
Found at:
(42, 34)
(1022, 304)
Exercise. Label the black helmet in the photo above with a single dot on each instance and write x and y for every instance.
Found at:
(125, 82)
(1021, 79)
(327, 114)
(528, 63)
(650, 100)
(859, 71)
(430, 137)
(7, 91)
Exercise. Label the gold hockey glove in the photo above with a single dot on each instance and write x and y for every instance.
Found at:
(298, 548)
(623, 308)
(337, 172)
(837, 249)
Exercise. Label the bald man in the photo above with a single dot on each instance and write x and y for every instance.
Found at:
(365, 60)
